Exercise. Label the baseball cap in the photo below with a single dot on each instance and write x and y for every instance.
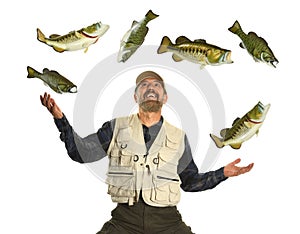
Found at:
(147, 74)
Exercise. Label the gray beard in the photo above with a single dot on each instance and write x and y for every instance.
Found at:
(151, 106)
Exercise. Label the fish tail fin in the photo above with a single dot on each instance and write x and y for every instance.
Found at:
(218, 141)
(31, 72)
(40, 36)
(235, 27)
(150, 15)
(165, 42)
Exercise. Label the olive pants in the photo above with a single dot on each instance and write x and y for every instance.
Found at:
(144, 219)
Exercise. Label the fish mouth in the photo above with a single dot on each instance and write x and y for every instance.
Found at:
(73, 89)
(96, 29)
(263, 109)
(273, 63)
(226, 57)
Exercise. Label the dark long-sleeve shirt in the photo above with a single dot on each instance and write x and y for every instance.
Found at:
(94, 147)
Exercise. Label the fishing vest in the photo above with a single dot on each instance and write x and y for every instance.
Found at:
(133, 170)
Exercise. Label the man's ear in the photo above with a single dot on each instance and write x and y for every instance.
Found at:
(135, 98)
(165, 98)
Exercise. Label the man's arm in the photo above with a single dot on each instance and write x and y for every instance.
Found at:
(82, 150)
(193, 181)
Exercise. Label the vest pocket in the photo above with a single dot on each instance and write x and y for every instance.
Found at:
(120, 182)
(166, 189)
(121, 158)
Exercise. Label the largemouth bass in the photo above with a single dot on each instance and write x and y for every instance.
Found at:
(256, 46)
(53, 79)
(242, 128)
(197, 51)
(75, 40)
(134, 37)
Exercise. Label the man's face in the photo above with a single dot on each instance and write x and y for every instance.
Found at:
(150, 95)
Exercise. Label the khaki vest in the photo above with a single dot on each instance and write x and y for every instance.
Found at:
(132, 169)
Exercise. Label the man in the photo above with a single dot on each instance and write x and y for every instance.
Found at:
(149, 161)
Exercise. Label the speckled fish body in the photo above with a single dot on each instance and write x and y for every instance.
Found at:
(242, 128)
(53, 79)
(134, 37)
(256, 46)
(197, 51)
(75, 40)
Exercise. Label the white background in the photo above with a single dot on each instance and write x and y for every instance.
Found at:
(43, 191)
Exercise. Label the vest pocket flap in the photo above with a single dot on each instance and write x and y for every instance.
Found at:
(120, 176)
(172, 142)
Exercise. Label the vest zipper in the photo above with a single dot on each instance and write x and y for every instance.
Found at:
(120, 173)
(166, 178)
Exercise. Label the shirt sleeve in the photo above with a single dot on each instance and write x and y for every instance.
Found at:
(88, 149)
(191, 179)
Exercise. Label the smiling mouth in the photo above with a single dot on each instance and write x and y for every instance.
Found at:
(150, 95)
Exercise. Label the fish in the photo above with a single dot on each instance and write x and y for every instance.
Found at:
(74, 40)
(134, 37)
(53, 79)
(242, 128)
(256, 46)
(197, 51)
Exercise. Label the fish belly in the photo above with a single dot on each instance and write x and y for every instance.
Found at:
(243, 135)
(77, 44)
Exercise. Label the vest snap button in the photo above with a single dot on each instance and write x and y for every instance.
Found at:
(136, 158)
(123, 146)
(142, 164)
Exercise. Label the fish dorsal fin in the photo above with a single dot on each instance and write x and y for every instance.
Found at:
(45, 70)
(134, 23)
(236, 146)
(235, 121)
(53, 36)
(200, 41)
(252, 34)
(176, 58)
(223, 132)
(182, 39)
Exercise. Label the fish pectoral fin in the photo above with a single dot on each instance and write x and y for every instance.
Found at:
(86, 49)
(257, 132)
(78, 34)
(58, 49)
(61, 87)
(242, 45)
(176, 58)
(256, 55)
(182, 39)
(52, 36)
(202, 66)
(236, 146)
